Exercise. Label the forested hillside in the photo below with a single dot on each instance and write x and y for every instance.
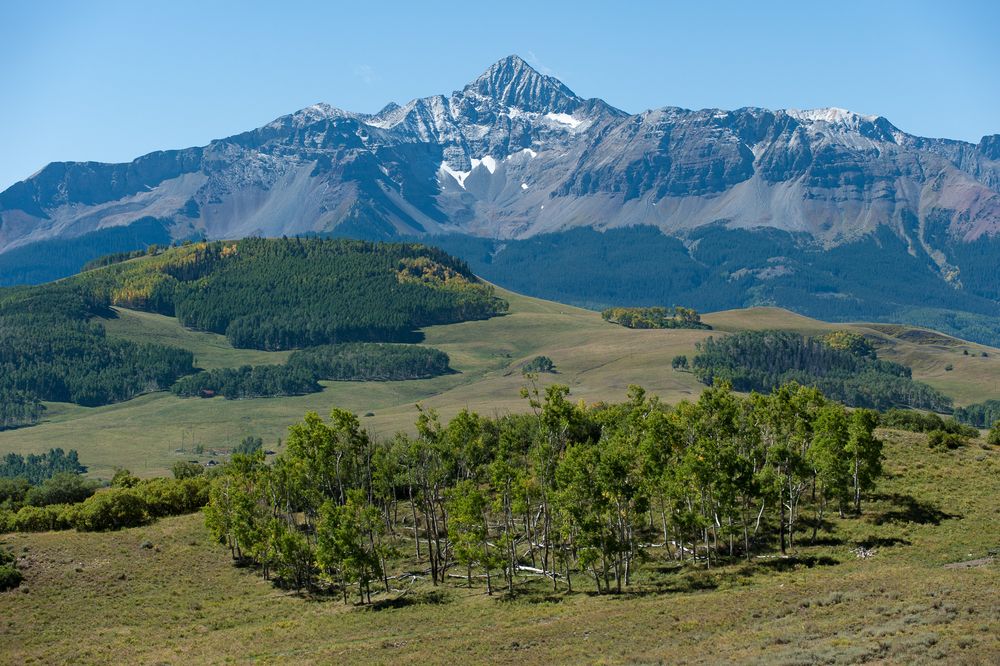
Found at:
(288, 293)
(762, 360)
(718, 268)
(265, 294)
(50, 351)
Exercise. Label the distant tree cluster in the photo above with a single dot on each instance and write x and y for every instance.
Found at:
(371, 361)
(19, 408)
(655, 317)
(762, 360)
(852, 342)
(267, 294)
(249, 445)
(358, 361)
(904, 419)
(980, 415)
(567, 492)
(537, 365)
(258, 381)
(36, 468)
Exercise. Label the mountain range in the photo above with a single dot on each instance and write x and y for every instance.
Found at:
(829, 212)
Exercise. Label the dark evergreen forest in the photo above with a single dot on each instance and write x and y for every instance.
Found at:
(763, 360)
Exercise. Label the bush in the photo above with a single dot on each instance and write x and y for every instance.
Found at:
(40, 518)
(679, 362)
(904, 419)
(938, 439)
(12, 492)
(124, 479)
(994, 437)
(183, 469)
(112, 510)
(10, 577)
(170, 497)
(63, 488)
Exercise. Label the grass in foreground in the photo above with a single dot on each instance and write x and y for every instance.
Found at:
(102, 597)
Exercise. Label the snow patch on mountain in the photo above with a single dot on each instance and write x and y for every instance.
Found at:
(831, 114)
(564, 119)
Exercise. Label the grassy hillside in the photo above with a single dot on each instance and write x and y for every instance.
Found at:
(928, 594)
(597, 359)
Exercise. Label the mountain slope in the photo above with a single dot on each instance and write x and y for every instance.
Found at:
(516, 154)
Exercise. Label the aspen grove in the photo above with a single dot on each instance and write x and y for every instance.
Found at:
(578, 494)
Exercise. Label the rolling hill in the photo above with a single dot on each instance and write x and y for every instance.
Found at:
(597, 359)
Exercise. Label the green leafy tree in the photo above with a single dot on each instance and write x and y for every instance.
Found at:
(467, 509)
(829, 460)
(346, 546)
(864, 450)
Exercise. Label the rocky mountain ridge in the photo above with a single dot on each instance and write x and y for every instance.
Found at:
(515, 155)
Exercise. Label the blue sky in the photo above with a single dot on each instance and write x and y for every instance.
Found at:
(109, 81)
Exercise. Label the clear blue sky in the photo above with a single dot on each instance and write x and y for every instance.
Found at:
(110, 81)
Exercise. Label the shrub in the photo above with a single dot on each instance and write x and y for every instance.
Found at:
(938, 439)
(172, 497)
(40, 518)
(183, 469)
(994, 437)
(10, 577)
(12, 492)
(123, 479)
(63, 488)
(679, 362)
(112, 510)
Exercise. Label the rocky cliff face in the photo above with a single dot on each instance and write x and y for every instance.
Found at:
(515, 154)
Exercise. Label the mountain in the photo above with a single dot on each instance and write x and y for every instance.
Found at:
(845, 215)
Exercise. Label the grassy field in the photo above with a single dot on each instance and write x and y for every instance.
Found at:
(103, 597)
(598, 360)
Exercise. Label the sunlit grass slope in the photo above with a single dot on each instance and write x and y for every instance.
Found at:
(598, 360)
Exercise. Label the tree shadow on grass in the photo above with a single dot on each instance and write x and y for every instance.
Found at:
(908, 509)
(428, 598)
(882, 542)
(794, 562)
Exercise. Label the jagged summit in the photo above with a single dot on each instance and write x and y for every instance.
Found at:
(514, 83)
(516, 154)
(830, 114)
